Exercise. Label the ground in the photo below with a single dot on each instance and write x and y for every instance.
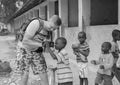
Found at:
(8, 53)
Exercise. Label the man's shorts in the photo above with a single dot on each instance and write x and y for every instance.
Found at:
(33, 59)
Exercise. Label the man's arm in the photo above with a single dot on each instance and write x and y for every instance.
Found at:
(30, 33)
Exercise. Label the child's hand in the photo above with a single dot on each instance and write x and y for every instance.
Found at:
(102, 67)
(93, 62)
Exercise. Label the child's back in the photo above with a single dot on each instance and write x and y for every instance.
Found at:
(64, 72)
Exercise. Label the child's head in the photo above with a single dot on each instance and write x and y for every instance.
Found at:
(82, 37)
(60, 43)
(116, 34)
(106, 47)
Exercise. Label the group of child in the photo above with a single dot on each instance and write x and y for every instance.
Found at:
(107, 60)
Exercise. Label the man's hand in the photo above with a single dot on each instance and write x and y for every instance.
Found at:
(102, 67)
(93, 62)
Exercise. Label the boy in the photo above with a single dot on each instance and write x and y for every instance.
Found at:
(115, 51)
(81, 50)
(64, 72)
(105, 62)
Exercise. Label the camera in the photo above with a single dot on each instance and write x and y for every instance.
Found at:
(51, 44)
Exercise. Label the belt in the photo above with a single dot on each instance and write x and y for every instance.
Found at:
(39, 50)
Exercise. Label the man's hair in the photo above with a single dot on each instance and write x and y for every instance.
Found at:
(64, 41)
(115, 33)
(56, 20)
(83, 33)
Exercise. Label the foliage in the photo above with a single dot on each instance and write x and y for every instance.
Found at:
(9, 7)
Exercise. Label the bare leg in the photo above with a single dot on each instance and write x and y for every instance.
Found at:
(52, 77)
(44, 78)
(24, 79)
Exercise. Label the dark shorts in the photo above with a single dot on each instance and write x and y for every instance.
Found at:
(66, 83)
(116, 72)
(103, 78)
(33, 59)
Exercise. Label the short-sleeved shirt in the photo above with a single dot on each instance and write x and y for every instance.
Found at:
(107, 61)
(64, 72)
(31, 33)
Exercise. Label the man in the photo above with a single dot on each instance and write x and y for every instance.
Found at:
(36, 33)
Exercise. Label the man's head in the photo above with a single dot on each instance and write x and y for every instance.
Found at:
(60, 43)
(116, 34)
(106, 47)
(54, 22)
(82, 37)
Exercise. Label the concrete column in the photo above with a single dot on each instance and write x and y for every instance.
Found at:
(86, 12)
(118, 12)
(63, 13)
(80, 14)
(50, 9)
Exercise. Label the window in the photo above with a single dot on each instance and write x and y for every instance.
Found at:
(104, 12)
(56, 8)
(31, 14)
(72, 13)
(45, 12)
(36, 13)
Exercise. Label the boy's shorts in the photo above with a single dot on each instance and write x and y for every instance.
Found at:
(83, 69)
(33, 59)
(107, 79)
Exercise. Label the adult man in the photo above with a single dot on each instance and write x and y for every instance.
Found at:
(35, 34)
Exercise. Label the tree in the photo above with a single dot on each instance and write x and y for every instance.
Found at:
(9, 7)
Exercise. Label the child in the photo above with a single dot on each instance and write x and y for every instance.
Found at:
(64, 72)
(105, 62)
(81, 50)
(115, 51)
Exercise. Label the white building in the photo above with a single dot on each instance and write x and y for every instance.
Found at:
(99, 17)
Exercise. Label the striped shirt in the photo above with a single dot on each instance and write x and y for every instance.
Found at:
(64, 73)
(82, 47)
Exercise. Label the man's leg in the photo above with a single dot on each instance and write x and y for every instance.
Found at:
(44, 78)
(24, 78)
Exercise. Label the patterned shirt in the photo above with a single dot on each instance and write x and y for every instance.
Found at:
(64, 72)
(82, 47)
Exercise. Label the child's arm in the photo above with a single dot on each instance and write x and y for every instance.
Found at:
(52, 54)
(85, 52)
(118, 63)
(95, 62)
(64, 58)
